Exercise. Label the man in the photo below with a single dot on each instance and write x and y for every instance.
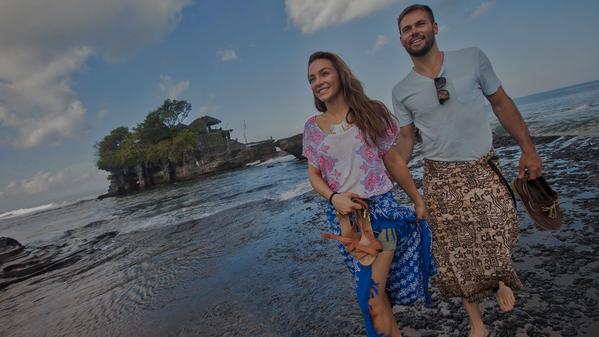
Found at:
(471, 207)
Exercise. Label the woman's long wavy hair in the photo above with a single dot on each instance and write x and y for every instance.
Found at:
(371, 116)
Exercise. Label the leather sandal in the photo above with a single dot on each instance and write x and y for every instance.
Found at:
(541, 202)
(363, 245)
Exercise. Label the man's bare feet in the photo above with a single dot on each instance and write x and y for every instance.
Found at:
(505, 297)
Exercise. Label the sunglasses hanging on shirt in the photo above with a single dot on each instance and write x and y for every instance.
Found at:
(442, 94)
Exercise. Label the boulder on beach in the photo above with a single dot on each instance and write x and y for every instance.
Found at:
(9, 247)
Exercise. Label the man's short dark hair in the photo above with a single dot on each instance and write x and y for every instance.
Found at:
(415, 7)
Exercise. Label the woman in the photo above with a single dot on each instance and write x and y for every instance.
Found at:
(349, 153)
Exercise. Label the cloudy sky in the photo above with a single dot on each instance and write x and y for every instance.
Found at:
(73, 70)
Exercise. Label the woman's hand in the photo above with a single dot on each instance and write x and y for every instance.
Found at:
(343, 202)
(421, 211)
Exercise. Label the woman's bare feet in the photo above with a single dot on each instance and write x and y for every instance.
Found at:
(479, 332)
(477, 327)
(505, 297)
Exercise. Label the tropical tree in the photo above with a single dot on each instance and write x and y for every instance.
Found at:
(161, 139)
(161, 123)
(183, 146)
(108, 148)
(132, 151)
(173, 112)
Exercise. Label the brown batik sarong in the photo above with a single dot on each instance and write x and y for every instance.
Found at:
(475, 227)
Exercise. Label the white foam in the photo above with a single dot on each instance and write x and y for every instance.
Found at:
(278, 160)
(582, 107)
(23, 211)
(297, 190)
(52, 205)
(254, 163)
(566, 143)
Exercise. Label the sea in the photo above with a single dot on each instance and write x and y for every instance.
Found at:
(233, 254)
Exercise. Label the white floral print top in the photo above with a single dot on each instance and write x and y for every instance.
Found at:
(346, 162)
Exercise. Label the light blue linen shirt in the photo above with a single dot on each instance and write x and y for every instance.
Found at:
(457, 130)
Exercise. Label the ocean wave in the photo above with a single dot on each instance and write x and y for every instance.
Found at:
(271, 161)
(24, 211)
(580, 107)
(46, 207)
(254, 163)
(278, 160)
(296, 191)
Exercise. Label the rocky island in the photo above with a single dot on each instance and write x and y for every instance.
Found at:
(163, 150)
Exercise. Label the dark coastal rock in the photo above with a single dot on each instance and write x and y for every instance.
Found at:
(253, 152)
(9, 248)
(292, 145)
(233, 155)
(19, 263)
(213, 151)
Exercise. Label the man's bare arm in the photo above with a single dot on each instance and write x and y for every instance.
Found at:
(405, 142)
(511, 119)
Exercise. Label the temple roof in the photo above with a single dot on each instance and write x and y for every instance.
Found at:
(209, 120)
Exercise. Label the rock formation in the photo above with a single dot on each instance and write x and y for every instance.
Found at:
(292, 145)
(215, 151)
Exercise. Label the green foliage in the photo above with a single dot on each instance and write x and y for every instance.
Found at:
(131, 152)
(152, 130)
(108, 148)
(155, 141)
(156, 154)
(161, 123)
(199, 126)
(173, 112)
(183, 146)
(215, 139)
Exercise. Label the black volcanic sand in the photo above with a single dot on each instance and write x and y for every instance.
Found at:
(262, 270)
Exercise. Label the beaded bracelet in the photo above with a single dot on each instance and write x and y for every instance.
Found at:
(331, 197)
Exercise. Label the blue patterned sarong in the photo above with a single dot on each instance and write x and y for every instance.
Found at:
(412, 265)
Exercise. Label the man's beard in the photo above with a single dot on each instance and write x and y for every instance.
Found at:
(430, 41)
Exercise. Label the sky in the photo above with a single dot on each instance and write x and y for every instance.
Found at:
(73, 70)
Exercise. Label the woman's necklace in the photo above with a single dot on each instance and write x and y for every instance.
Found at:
(340, 127)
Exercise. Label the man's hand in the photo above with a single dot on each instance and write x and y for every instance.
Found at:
(421, 211)
(510, 118)
(531, 162)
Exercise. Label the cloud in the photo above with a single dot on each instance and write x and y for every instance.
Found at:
(380, 41)
(45, 43)
(101, 114)
(311, 15)
(170, 89)
(42, 182)
(227, 55)
(210, 107)
(482, 9)
(40, 105)
(38, 183)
